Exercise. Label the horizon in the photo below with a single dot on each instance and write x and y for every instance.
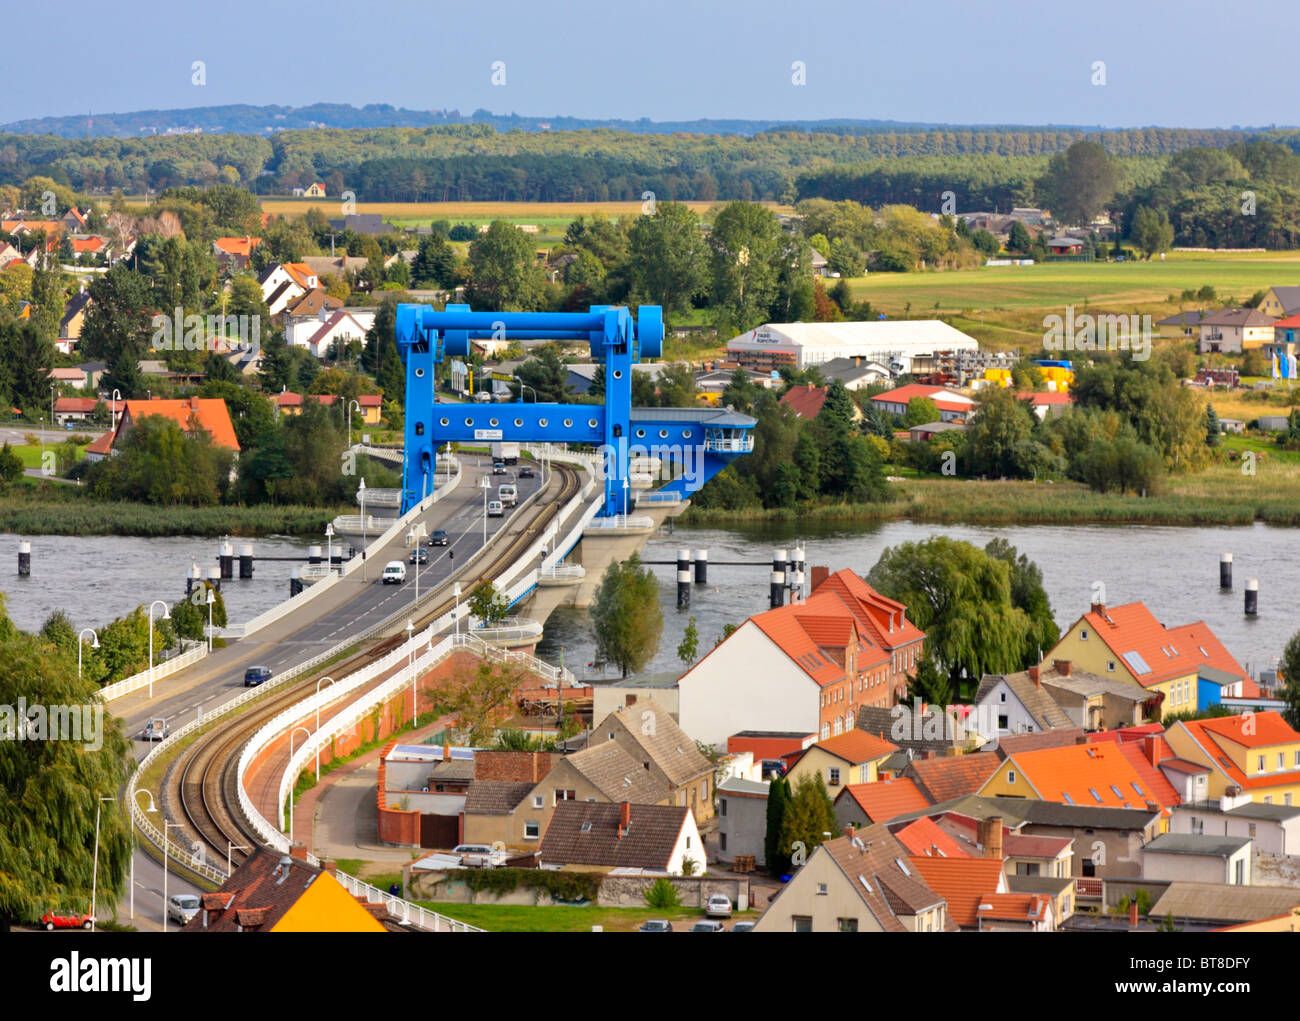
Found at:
(945, 63)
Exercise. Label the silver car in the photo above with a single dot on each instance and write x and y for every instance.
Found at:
(181, 907)
(718, 906)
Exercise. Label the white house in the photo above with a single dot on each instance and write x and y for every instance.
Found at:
(317, 335)
(284, 282)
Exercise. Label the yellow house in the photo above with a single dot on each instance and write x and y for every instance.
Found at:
(1281, 301)
(271, 892)
(850, 758)
(1255, 753)
(1128, 643)
(315, 190)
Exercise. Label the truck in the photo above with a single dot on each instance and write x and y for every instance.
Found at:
(507, 453)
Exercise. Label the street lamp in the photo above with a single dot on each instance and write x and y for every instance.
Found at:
(117, 398)
(410, 665)
(166, 827)
(625, 501)
(94, 645)
(485, 486)
(153, 809)
(230, 847)
(291, 737)
(52, 388)
(522, 386)
(362, 490)
(329, 545)
(352, 404)
(94, 875)
(318, 684)
(212, 601)
(166, 615)
(455, 591)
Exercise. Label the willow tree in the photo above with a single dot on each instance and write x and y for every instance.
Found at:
(51, 788)
(627, 615)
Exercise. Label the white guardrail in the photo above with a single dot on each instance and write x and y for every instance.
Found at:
(142, 680)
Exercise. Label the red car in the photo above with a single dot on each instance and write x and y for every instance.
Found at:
(52, 920)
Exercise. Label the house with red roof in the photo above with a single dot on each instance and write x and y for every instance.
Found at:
(849, 758)
(1255, 753)
(924, 838)
(235, 253)
(861, 804)
(806, 667)
(806, 401)
(953, 406)
(193, 414)
(1046, 402)
(965, 883)
(286, 282)
(1187, 666)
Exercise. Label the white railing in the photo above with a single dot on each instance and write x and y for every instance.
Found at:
(403, 910)
(740, 445)
(510, 629)
(562, 572)
(315, 572)
(380, 497)
(620, 522)
(141, 680)
(355, 524)
(657, 498)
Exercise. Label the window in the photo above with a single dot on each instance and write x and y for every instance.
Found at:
(531, 830)
(848, 924)
(1281, 761)
(722, 807)
(1260, 766)
(821, 889)
(722, 841)
(704, 789)
(1002, 722)
(611, 735)
(834, 776)
(1083, 635)
(1110, 665)
(565, 796)
(537, 801)
(688, 843)
(1011, 776)
(800, 923)
(1002, 696)
(1297, 759)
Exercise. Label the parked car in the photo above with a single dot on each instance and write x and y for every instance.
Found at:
(181, 907)
(773, 768)
(394, 573)
(708, 927)
(483, 397)
(498, 468)
(718, 906)
(439, 537)
(419, 555)
(495, 509)
(155, 730)
(54, 920)
(256, 675)
(480, 856)
(656, 925)
(743, 927)
(527, 473)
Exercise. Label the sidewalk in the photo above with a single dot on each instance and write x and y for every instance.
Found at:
(341, 811)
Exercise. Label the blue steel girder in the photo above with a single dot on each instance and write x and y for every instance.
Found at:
(426, 336)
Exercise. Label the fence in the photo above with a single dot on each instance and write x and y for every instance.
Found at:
(142, 680)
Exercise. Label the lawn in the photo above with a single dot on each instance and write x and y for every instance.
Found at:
(31, 454)
(559, 918)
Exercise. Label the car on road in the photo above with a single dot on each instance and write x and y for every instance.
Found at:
(439, 537)
(656, 925)
(508, 494)
(181, 907)
(498, 468)
(419, 555)
(495, 509)
(527, 473)
(483, 397)
(708, 927)
(155, 730)
(58, 920)
(394, 573)
(718, 906)
(743, 927)
(256, 675)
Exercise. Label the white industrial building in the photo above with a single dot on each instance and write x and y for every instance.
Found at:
(905, 345)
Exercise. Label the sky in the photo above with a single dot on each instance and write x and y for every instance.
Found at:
(1113, 63)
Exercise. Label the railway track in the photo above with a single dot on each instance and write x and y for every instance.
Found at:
(203, 776)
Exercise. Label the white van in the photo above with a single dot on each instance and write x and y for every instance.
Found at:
(508, 494)
(394, 573)
(495, 510)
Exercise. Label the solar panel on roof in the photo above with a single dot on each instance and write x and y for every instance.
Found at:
(1136, 662)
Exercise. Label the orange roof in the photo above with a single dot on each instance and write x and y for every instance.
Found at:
(944, 400)
(805, 401)
(1268, 729)
(238, 246)
(802, 630)
(1015, 907)
(1088, 774)
(924, 837)
(211, 413)
(301, 274)
(886, 799)
(885, 620)
(90, 244)
(1289, 321)
(964, 883)
(948, 777)
(102, 444)
(1133, 633)
(1037, 399)
(857, 746)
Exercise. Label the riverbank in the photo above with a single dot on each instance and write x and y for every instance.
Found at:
(42, 513)
(1219, 496)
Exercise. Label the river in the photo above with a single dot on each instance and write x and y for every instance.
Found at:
(1175, 571)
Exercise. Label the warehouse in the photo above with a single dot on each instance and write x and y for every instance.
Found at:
(903, 345)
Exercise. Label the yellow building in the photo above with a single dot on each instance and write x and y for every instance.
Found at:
(850, 758)
(1129, 644)
(1256, 753)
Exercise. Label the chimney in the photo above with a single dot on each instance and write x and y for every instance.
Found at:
(446, 749)
(1151, 748)
(1062, 666)
(990, 837)
(1033, 676)
(298, 851)
(819, 575)
(332, 867)
(848, 831)
(1133, 913)
(1099, 608)
(928, 754)
(624, 819)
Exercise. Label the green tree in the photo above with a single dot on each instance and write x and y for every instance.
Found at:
(626, 615)
(920, 411)
(11, 465)
(744, 243)
(1289, 668)
(488, 605)
(776, 854)
(997, 432)
(504, 272)
(668, 258)
(1029, 595)
(1018, 239)
(1151, 231)
(435, 263)
(1079, 183)
(930, 684)
(1213, 432)
(809, 818)
(689, 647)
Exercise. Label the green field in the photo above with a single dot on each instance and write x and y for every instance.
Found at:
(560, 918)
(1002, 305)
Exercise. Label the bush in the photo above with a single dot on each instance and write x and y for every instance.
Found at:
(662, 895)
(562, 886)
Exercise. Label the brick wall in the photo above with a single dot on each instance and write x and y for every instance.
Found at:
(515, 767)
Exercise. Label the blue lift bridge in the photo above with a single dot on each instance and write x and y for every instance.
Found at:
(700, 441)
